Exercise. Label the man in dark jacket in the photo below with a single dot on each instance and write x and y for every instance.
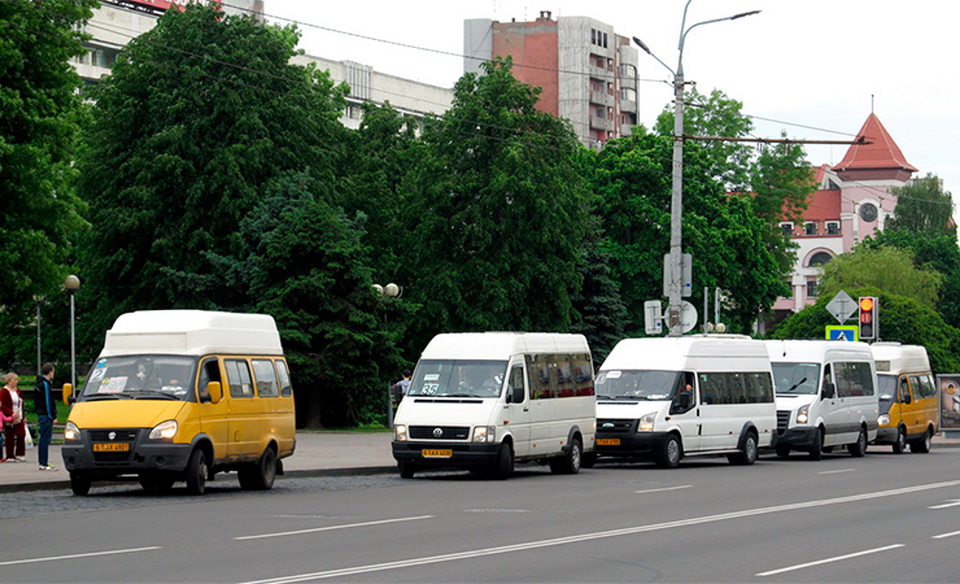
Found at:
(46, 407)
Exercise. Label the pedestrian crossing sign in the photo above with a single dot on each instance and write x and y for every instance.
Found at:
(842, 333)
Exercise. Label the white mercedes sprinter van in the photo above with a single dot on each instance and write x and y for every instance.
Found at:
(666, 398)
(483, 401)
(826, 396)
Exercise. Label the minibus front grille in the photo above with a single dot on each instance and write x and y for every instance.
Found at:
(113, 436)
(118, 435)
(783, 419)
(439, 432)
(609, 426)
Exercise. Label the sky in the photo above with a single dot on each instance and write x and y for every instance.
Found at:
(816, 67)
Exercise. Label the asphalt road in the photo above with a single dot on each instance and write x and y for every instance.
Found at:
(882, 518)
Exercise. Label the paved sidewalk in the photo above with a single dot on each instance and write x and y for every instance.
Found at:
(317, 453)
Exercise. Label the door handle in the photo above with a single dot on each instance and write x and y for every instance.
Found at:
(526, 409)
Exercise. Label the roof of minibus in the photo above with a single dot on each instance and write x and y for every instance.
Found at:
(896, 358)
(696, 352)
(816, 351)
(500, 346)
(192, 332)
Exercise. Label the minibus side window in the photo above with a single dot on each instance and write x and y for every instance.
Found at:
(538, 369)
(515, 391)
(238, 375)
(904, 393)
(286, 390)
(209, 371)
(265, 377)
(927, 387)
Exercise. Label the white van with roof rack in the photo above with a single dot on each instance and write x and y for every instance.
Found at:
(484, 401)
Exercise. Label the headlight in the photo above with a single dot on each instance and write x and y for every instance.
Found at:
(484, 433)
(646, 423)
(884, 419)
(400, 432)
(71, 432)
(164, 431)
(803, 416)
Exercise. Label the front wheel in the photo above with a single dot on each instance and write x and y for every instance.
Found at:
(670, 453)
(901, 444)
(589, 459)
(406, 469)
(570, 462)
(816, 449)
(503, 468)
(196, 473)
(859, 448)
(260, 475)
(79, 484)
(748, 454)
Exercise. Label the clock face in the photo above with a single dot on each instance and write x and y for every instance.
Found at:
(868, 213)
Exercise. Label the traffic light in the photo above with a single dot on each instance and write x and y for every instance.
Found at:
(868, 317)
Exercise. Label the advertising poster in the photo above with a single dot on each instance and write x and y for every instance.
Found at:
(949, 401)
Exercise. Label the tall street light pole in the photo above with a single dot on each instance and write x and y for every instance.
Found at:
(72, 284)
(673, 278)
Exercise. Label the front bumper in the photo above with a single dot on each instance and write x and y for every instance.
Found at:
(631, 445)
(797, 438)
(461, 454)
(140, 454)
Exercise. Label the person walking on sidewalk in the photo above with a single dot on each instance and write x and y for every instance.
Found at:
(15, 424)
(46, 407)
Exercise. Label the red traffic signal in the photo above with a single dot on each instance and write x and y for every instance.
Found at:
(868, 317)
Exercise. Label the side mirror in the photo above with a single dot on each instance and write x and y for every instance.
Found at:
(213, 392)
(514, 394)
(906, 398)
(829, 390)
(68, 394)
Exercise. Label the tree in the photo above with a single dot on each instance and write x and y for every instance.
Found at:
(923, 207)
(41, 114)
(498, 214)
(889, 269)
(199, 114)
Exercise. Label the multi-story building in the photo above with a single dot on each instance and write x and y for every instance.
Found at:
(854, 201)
(116, 22)
(588, 73)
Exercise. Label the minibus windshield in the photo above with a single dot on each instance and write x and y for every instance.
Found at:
(796, 378)
(157, 377)
(887, 386)
(652, 385)
(458, 378)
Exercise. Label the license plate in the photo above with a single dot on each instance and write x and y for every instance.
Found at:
(436, 453)
(608, 442)
(111, 447)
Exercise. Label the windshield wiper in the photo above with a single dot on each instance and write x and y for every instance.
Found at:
(795, 385)
(103, 396)
(150, 394)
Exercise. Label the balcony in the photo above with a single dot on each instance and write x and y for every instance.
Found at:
(601, 98)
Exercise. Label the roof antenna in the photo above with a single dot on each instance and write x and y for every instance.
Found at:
(871, 103)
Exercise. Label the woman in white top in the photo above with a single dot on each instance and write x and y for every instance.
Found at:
(14, 422)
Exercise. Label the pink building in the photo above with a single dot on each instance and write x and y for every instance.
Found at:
(853, 202)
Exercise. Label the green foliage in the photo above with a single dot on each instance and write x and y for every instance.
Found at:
(923, 207)
(888, 269)
(41, 114)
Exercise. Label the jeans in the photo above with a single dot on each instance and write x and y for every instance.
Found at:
(46, 435)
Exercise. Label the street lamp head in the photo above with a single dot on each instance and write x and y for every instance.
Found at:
(72, 283)
(742, 14)
(378, 289)
(392, 290)
(640, 44)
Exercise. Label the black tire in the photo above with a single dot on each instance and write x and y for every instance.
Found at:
(670, 453)
(748, 453)
(503, 468)
(196, 473)
(156, 482)
(816, 449)
(260, 475)
(79, 484)
(859, 448)
(901, 443)
(570, 462)
(589, 459)
(783, 451)
(406, 469)
(922, 445)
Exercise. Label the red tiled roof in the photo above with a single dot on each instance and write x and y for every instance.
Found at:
(881, 154)
(823, 205)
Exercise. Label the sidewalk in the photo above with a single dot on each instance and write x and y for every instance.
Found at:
(317, 454)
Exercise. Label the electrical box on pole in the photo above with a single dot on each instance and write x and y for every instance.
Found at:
(868, 317)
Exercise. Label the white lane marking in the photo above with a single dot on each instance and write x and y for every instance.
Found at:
(598, 535)
(677, 488)
(839, 470)
(830, 560)
(331, 528)
(76, 556)
(946, 535)
(950, 503)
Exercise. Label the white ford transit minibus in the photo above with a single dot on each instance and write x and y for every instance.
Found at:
(483, 401)
(826, 396)
(666, 398)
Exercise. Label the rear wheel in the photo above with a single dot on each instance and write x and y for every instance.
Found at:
(901, 443)
(79, 484)
(570, 462)
(747, 454)
(670, 452)
(922, 445)
(260, 475)
(196, 473)
(816, 449)
(858, 448)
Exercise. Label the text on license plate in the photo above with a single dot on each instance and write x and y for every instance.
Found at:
(111, 447)
(608, 442)
(437, 453)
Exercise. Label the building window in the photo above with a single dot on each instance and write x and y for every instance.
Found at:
(787, 229)
(604, 40)
(593, 36)
(819, 258)
(833, 228)
(810, 228)
(811, 288)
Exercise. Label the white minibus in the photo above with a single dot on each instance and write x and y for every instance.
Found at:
(483, 401)
(826, 396)
(666, 398)
(909, 405)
